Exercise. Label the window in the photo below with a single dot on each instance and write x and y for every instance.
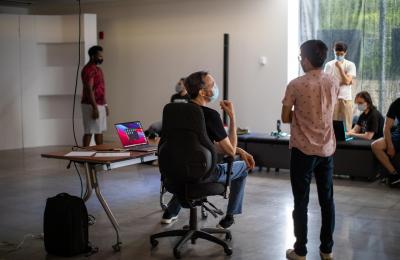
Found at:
(371, 28)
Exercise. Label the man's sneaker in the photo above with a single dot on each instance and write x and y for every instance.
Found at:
(226, 222)
(291, 255)
(394, 179)
(325, 256)
(168, 218)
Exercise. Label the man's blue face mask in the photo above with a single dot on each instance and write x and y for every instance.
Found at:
(215, 92)
(339, 57)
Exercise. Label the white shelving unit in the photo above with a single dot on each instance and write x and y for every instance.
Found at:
(48, 47)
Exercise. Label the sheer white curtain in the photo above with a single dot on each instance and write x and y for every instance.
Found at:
(371, 28)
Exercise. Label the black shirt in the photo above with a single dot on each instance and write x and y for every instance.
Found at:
(215, 129)
(176, 98)
(371, 122)
(394, 110)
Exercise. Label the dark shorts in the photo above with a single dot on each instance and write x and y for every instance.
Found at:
(396, 140)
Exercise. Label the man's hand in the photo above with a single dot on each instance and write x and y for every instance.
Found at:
(338, 65)
(391, 151)
(95, 113)
(247, 158)
(227, 106)
(107, 111)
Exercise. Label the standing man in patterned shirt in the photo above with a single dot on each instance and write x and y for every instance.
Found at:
(308, 107)
(94, 105)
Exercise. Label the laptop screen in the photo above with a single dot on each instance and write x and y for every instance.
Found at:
(131, 133)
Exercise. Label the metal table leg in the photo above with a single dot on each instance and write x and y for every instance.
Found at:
(95, 185)
(89, 188)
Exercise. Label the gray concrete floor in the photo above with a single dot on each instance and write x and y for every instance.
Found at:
(367, 214)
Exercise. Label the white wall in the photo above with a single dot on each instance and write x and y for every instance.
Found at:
(50, 58)
(10, 87)
(150, 44)
(37, 78)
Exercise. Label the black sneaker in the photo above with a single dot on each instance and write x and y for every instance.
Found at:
(168, 218)
(394, 179)
(226, 222)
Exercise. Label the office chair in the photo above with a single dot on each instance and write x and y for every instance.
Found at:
(186, 158)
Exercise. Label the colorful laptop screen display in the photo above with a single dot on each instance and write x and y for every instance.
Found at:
(131, 133)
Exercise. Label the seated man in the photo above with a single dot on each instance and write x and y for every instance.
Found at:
(370, 122)
(202, 90)
(386, 147)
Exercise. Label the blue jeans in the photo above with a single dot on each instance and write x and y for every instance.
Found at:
(238, 181)
(396, 140)
(301, 168)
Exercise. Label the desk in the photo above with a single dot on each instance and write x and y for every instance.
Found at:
(353, 158)
(94, 165)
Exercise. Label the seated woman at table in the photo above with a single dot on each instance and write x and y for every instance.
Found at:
(370, 123)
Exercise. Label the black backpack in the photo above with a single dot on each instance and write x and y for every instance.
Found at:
(66, 226)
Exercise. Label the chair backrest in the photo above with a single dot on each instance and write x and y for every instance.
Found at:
(185, 153)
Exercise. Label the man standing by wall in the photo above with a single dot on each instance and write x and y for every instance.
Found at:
(94, 105)
(345, 71)
(312, 97)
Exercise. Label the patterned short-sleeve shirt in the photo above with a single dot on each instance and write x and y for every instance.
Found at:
(93, 75)
(313, 97)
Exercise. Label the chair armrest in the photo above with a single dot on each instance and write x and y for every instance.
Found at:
(229, 160)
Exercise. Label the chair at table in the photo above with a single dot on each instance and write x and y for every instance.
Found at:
(187, 157)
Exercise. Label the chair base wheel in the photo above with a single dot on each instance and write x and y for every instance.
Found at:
(228, 237)
(117, 247)
(177, 254)
(153, 243)
(228, 251)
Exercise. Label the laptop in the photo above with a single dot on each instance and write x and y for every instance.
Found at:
(340, 131)
(133, 138)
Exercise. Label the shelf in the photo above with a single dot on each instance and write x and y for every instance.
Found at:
(60, 42)
(57, 95)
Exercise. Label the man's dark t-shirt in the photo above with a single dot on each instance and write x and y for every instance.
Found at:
(215, 129)
(394, 113)
(176, 98)
(371, 122)
(394, 110)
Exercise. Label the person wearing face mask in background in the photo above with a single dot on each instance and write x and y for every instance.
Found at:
(202, 90)
(181, 94)
(345, 71)
(94, 105)
(370, 123)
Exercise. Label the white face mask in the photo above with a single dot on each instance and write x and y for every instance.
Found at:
(339, 58)
(179, 88)
(215, 91)
(362, 107)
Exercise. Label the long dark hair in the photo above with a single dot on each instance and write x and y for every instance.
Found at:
(367, 97)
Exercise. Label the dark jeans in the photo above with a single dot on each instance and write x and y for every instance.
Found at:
(301, 168)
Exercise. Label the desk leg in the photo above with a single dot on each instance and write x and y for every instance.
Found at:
(88, 180)
(95, 184)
